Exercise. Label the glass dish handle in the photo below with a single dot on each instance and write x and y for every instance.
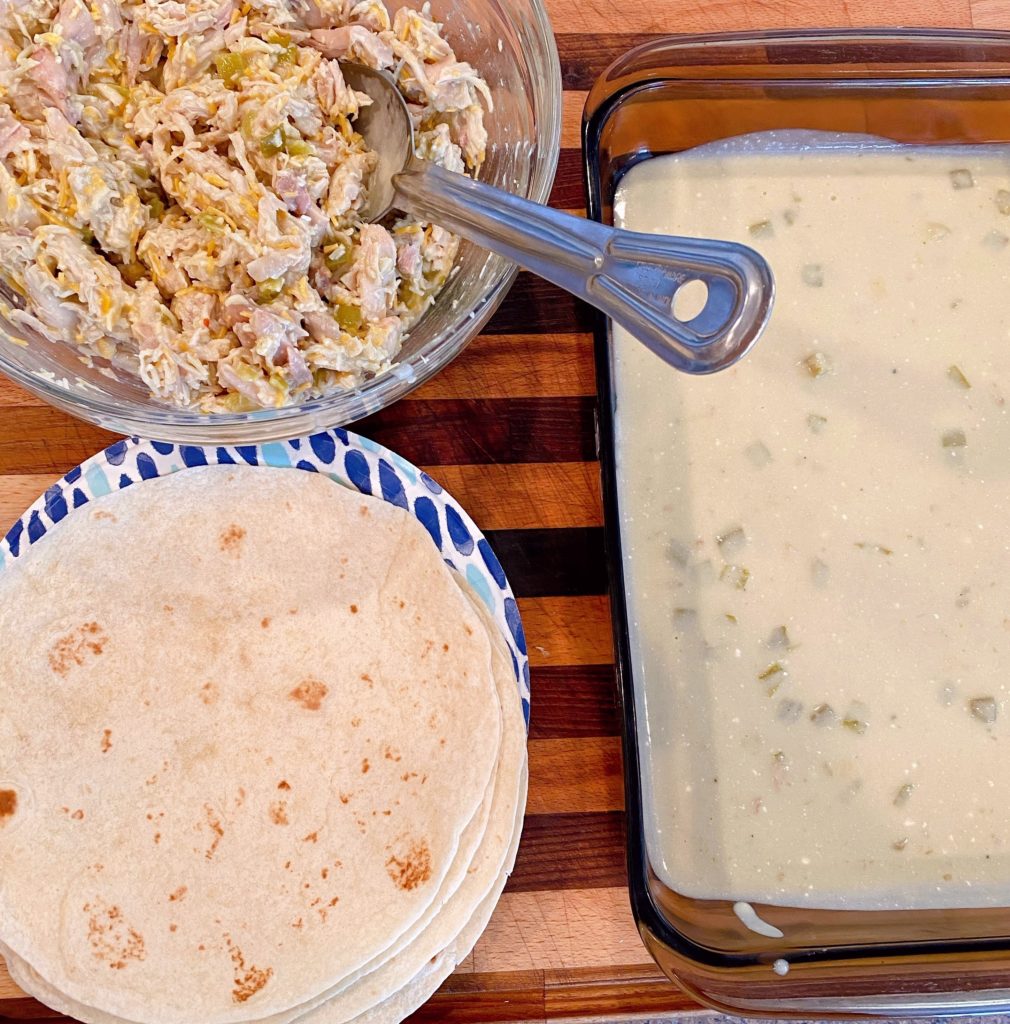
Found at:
(633, 278)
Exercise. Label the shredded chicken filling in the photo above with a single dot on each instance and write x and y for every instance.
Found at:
(180, 187)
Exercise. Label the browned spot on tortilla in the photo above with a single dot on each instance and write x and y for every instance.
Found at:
(157, 838)
(297, 924)
(179, 893)
(403, 604)
(407, 776)
(324, 874)
(412, 867)
(365, 766)
(265, 621)
(112, 939)
(363, 510)
(433, 720)
(248, 980)
(386, 814)
(215, 826)
(283, 784)
(208, 693)
(231, 538)
(344, 797)
(74, 648)
(354, 609)
(309, 693)
(469, 631)
(168, 608)
(173, 927)
(100, 513)
(78, 815)
(355, 722)
(8, 804)
(445, 647)
(106, 740)
(312, 837)
(390, 754)
(292, 611)
(279, 812)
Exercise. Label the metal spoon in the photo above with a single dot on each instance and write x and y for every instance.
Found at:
(631, 277)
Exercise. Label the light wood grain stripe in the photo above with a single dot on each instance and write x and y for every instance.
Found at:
(517, 366)
(575, 775)
(8, 990)
(525, 495)
(18, 492)
(562, 930)
(731, 15)
(568, 630)
(571, 118)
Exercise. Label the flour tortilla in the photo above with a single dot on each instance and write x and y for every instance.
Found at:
(279, 679)
(494, 858)
(423, 986)
(442, 923)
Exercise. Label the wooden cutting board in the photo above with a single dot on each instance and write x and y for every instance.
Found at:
(509, 430)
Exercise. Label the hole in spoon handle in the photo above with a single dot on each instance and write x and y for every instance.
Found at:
(646, 286)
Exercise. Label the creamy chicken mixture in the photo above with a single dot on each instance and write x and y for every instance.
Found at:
(180, 185)
(816, 540)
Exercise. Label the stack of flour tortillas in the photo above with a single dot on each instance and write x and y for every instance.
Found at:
(262, 757)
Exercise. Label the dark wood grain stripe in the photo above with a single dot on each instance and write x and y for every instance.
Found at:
(536, 307)
(613, 993)
(437, 432)
(458, 431)
(479, 998)
(573, 701)
(552, 563)
(585, 56)
(568, 192)
(570, 851)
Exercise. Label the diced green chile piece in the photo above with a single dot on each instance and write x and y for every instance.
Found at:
(984, 709)
(902, 796)
(823, 714)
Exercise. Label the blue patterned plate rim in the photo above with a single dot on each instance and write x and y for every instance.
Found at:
(346, 458)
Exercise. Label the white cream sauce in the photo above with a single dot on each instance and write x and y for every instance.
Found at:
(817, 541)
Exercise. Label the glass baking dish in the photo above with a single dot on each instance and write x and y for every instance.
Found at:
(915, 86)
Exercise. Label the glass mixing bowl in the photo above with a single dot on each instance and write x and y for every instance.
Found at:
(511, 43)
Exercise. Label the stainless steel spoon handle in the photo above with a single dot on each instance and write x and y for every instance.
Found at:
(631, 277)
